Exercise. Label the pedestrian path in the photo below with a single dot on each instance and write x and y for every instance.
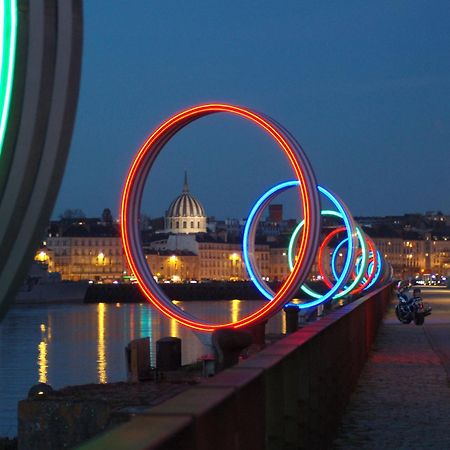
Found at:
(402, 400)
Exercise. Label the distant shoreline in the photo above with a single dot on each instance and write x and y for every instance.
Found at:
(208, 291)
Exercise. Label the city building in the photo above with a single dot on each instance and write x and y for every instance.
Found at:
(186, 245)
(84, 249)
(202, 257)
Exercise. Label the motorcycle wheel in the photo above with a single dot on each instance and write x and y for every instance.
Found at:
(419, 319)
(403, 318)
(397, 312)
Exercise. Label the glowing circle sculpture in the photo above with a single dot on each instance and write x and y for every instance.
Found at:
(361, 265)
(132, 196)
(250, 230)
(359, 268)
(362, 243)
(370, 263)
(352, 288)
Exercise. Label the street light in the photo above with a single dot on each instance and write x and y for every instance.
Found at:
(234, 257)
(173, 259)
(41, 256)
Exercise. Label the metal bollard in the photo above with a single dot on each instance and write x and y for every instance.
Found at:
(137, 357)
(320, 310)
(292, 313)
(168, 353)
(228, 345)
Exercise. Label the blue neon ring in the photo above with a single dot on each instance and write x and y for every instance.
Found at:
(254, 211)
(357, 265)
(377, 273)
(250, 222)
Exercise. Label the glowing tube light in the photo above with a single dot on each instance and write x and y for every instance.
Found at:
(131, 202)
(255, 212)
(8, 39)
(351, 289)
(250, 227)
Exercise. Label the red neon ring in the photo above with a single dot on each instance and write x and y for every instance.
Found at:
(327, 239)
(325, 278)
(132, 195)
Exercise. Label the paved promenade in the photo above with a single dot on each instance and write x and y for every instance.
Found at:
(403, 397)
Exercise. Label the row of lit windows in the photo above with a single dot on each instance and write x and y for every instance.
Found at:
(84, 242)
(213, 273)
(89, 252)
(74, 269)
(212, 255)
(220, 264)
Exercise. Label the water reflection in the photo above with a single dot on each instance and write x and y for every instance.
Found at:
(235, 310)
(42, 359)
(42, 362)
(78, 344)
(174, 328)
(101, 352)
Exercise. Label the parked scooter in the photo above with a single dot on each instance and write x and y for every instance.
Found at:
(411, 308)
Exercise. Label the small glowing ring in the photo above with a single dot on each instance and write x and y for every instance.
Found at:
(132, 197)
(357, 279)
(360, 270)
(339, 204)
(324, 212)
(346, 290)
(248, 244)
(371, 273)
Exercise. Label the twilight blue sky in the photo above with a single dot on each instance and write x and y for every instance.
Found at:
(364, 86)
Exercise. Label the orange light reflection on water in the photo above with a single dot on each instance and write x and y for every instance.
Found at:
(101, 345)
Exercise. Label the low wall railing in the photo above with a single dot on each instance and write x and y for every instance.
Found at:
(291, 395)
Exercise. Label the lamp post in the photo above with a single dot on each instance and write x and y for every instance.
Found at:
(234, 257)
(173, 267)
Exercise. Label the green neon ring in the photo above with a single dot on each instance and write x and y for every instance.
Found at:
(362, 242)
(364, 265)
(8, 20)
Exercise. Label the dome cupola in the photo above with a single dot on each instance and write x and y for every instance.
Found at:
(185, 214)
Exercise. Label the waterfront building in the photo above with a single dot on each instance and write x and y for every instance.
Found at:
(185, 246)
(85, 249)
(416, 245)
(202, 257)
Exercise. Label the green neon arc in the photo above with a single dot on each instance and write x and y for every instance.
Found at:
(306, 289)
(8, 20)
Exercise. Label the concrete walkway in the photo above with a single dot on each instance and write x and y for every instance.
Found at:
(403, 397)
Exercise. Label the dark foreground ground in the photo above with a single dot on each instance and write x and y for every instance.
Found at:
(403, 397)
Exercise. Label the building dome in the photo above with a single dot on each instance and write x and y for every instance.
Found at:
(185, 214)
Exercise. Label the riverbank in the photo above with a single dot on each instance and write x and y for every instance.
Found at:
(69, 416)
(207, 291)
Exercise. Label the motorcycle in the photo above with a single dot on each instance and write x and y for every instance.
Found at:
(410, 309)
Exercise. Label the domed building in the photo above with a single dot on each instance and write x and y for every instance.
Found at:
(186, 214)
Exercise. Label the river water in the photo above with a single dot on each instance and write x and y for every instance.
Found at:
(76, 344)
